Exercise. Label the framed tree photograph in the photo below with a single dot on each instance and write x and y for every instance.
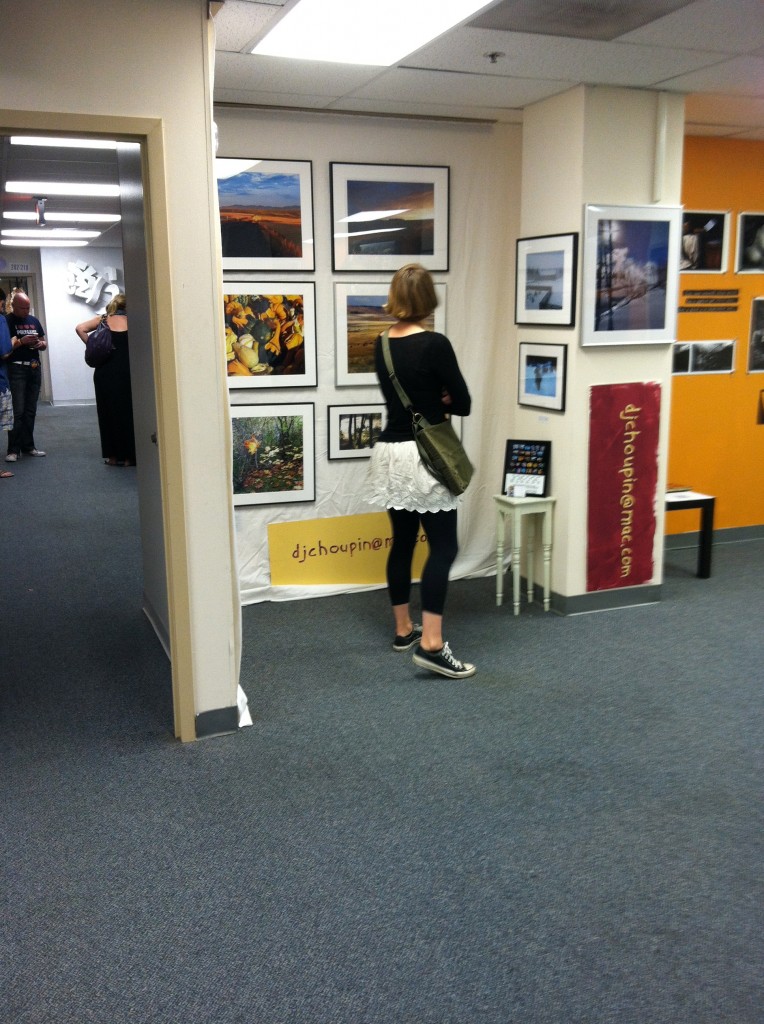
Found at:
(750, 243)
(545, 280)
(359, 318)
(704, 242)
(387, 215)
(273, 453)
(756, 338)
(354, 429)
(270, 334)
(266, 214)
(526, 469)
(631, 275)
(541, 375)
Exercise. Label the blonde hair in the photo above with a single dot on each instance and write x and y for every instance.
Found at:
(411, 295)
(118, 302)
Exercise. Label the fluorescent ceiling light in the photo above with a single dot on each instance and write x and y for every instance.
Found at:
(372, 215)
(90, 218)
(48, 233)
(228, 167)
(49, 243)
(40, 140)
(61, 188)
(357, 32)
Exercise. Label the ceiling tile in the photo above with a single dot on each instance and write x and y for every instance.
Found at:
(743, 76)
(735, 26)
(587, 19)
(241, 21)
(280, 75)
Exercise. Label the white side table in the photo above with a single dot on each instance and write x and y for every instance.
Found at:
(516, 509)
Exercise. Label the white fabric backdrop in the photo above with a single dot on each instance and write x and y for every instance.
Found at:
(484, 222)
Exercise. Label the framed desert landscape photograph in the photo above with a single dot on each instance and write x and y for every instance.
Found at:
(273, 453)
(266, 213)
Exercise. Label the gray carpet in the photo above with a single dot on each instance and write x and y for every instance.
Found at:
(572, 836)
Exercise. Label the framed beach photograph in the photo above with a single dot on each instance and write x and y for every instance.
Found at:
(270, 333)
(545, 280)
(704, 242)
(273, 453)
(541, 375)
(387, 215)
(750, 243)
(266, 214)
(354, 429)
(631, 275)
(526, 469)
(756, 338)
(359, 319)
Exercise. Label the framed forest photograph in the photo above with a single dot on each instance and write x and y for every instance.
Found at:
(266, 214)
(359, 319)
(270, 333)
(354, 429)
(273, 453)
(386, 215)
(545, 283)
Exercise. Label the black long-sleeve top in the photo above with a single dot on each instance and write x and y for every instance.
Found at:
(425, 364)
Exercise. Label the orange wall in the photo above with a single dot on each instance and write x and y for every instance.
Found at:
(716, 445)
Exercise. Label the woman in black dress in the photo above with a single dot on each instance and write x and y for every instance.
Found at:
(114, 398)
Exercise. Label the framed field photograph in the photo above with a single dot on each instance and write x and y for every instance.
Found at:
(359, 318)
(756, 339)
(266, 214)
(273, 453)
(704, 242)
(386, 215)
(631, 275)
(270, 334)
(353, 430)
(526, 469)
(750, 243)
(545, 282)
(541, 375)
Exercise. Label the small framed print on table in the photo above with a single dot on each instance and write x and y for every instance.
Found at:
(266, 214)
(354, 429)
(631, 275)
(541, 375)
(526, 469)
(270, 334)
(386, 215)
(545, 283)
(273, 453)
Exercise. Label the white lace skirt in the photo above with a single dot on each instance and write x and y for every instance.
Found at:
(396, 478)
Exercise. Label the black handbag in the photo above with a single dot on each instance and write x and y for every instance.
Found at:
(440, 450)
(99, 346)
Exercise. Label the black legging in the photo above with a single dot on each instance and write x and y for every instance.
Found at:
(440, 528)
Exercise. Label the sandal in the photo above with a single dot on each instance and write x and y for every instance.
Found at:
(4, 474)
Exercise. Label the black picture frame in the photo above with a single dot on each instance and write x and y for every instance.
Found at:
(526, 468)
(546, 270)
(541, 375)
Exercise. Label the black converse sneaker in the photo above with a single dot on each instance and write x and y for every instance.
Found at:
(405, 643)
(443, 662)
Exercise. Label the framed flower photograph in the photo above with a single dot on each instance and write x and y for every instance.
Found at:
(359, 319)
(270, 333)
(387, 215)
(354, 429)
(704, 242)
(541, 375)
(750, 243)
(266, 214)
(545, 280)
(631, 275)
(273, 453)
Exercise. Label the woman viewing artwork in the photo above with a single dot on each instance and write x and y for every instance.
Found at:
(426, 367)
(113, 392)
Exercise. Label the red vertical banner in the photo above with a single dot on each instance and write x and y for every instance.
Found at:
(624, 420)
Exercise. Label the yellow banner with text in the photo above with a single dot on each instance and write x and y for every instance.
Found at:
(340, 549)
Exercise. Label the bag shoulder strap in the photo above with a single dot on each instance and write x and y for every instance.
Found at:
(406, 401)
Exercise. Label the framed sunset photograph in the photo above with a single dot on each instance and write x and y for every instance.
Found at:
(266, 214)
(387, 215)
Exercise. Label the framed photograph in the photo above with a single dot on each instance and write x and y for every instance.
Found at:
(750, 243)
(756, 339)
(631, 275)
(545, 282)
(354, 429)
(386, 215)
(273, 453)
(694, 357)
(359, 318)
(541, 375)
(681, 357)
(526, 469)
(266, 214)
(270, 334)
(704, 242)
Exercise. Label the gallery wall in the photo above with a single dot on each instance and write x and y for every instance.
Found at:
(717, 434)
